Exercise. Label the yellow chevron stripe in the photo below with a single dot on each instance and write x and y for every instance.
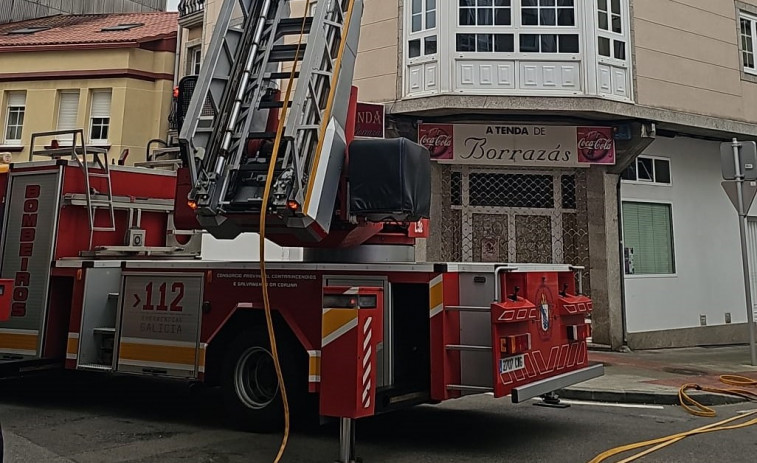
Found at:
(336, 318)
(19, 341)
(314, 366)
(72, 346)
(436, 294)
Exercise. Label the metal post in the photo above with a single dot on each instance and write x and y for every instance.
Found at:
(346, 440)
(744, 255)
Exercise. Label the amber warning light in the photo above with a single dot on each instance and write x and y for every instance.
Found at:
(516, 344)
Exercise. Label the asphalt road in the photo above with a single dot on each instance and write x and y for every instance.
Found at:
(92, 420)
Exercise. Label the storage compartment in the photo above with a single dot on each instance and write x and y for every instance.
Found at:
(390, 180)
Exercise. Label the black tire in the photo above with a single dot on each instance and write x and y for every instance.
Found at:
(250, 386)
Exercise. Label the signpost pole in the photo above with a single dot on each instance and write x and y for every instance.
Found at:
(744, 256)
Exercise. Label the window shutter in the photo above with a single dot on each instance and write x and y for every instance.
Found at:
(17, 99)
(648, 230)
(100, 104)
(68, 110)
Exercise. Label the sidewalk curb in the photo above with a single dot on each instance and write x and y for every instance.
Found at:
(646, 398)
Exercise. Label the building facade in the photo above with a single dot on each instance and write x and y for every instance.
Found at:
(110, 75)
(536, 113)
(19, 10)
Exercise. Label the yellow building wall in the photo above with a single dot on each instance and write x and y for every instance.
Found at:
(139, 108)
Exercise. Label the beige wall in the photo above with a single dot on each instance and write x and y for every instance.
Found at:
(139, 108)
(378, 52)
(688, 58)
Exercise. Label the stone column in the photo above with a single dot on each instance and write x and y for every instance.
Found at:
(604, 257)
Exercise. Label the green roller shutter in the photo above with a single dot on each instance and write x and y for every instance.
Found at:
(648, 229)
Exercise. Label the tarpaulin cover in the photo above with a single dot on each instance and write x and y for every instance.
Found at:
(390, 180)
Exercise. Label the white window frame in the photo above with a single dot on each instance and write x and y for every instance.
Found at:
(752, 19)
(610, 35)
(424, 32)
(19, 108)
(674, 254)
(67, 125)
(194, 60)
(654, 172)
(100, 113)
(516, 29)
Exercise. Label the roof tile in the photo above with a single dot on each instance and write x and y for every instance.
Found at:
(87, 29)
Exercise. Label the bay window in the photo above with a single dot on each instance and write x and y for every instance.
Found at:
(551, 47)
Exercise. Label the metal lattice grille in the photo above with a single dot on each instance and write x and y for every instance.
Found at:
(491, 215)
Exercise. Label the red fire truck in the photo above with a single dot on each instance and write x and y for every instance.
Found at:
(103, 272)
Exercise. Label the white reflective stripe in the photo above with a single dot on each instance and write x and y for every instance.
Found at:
(436, 310)
(145, 363)
(340, 331)
(9, 331)
(314, 353)
(73, 335)
(71, 356)
(436, 280)
(158, 342)
(314, 378)
(19, 352)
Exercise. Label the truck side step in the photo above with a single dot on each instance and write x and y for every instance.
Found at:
(463, 308)
(464, 388)
(468, 348)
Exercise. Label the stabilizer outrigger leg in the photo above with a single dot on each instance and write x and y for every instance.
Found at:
(347, 441)
(552, 400)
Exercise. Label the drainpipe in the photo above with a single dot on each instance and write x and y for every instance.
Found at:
(622, 263)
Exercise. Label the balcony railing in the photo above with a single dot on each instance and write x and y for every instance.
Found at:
(190, 7)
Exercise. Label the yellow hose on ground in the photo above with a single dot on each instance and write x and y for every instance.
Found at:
(263, 213)
(695, 408)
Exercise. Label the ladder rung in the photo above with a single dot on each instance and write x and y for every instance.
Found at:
(465, 308)
(463, 347)
(263, 135)
(103, 229)
(464, 388)
(94, 174)
(272, 104)
(281, 53)
(289, 26)
(281, 75)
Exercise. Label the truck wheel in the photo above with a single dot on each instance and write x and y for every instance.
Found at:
(250, 386)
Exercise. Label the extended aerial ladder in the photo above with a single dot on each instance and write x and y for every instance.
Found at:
(240, 78)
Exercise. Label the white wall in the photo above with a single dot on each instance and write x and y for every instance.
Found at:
(708, 277)
(246, 247)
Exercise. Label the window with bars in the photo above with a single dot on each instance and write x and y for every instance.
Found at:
(512, 26)
(748, 32)
(99, 117)
(14, 117)
(423, 20)
(611, 39)
(68, 112)
(648, 238)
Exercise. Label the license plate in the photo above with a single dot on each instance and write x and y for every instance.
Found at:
(512, 364)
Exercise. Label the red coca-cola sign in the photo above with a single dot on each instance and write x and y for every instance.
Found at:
(438, 139)
(596, 145)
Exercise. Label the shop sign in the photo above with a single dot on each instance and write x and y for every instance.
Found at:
(369, 120)
(518, 145)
